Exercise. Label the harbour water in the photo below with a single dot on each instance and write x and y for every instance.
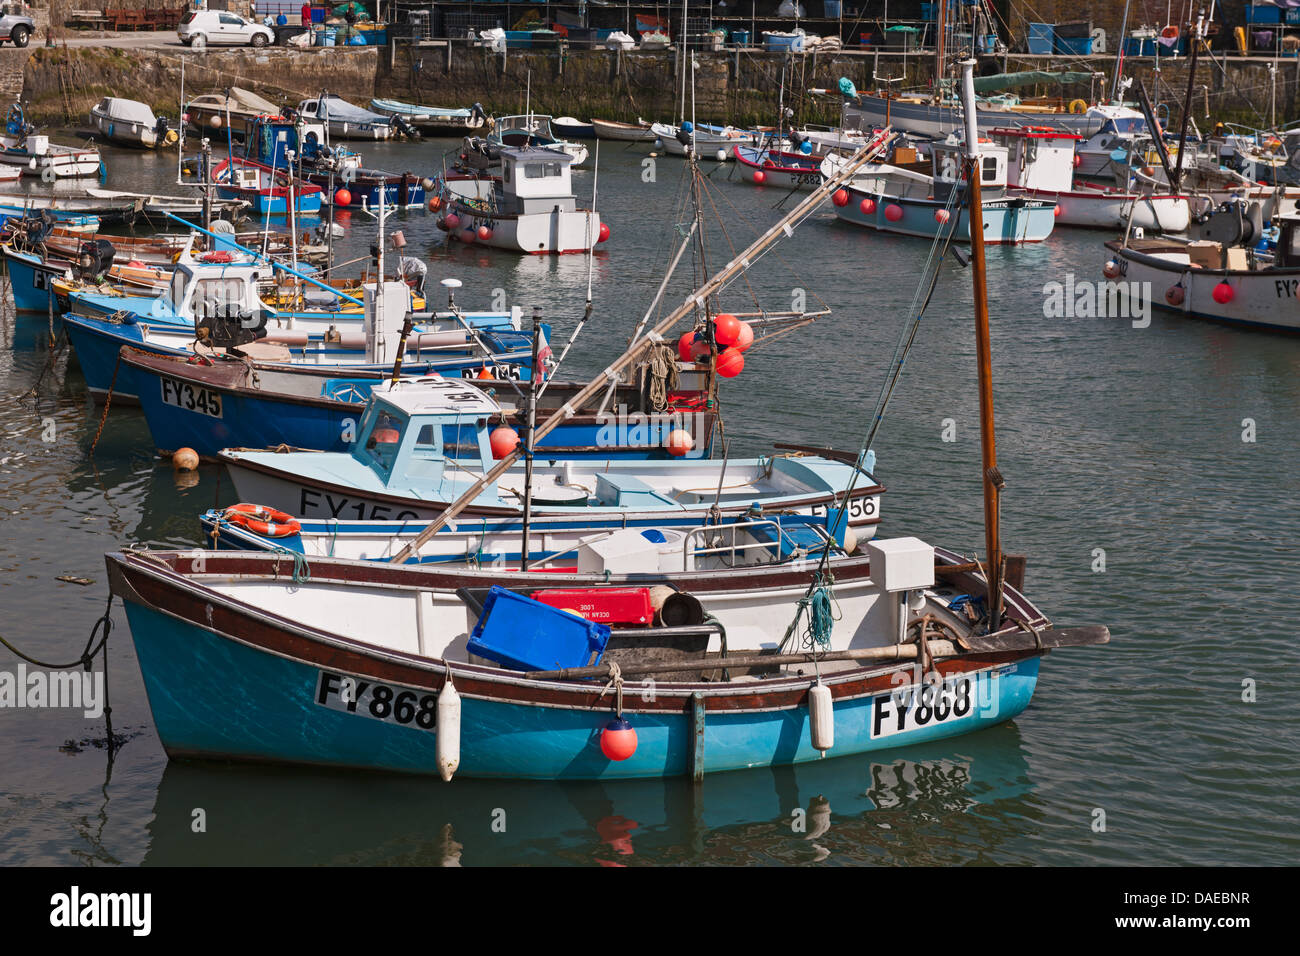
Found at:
(1151, 479)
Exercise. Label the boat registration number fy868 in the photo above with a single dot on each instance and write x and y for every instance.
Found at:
(923, 705)
(186, 396)
(386, 702)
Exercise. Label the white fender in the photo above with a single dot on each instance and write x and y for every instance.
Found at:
(821, 717)
(447, 743)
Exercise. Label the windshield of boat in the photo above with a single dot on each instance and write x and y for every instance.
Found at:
(1135, 124)
(382, 435)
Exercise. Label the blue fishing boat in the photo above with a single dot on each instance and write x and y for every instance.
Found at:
(422, 443)
(909, 203)
(224, 401)
(267, 190)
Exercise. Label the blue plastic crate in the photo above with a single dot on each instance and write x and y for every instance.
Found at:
(522, 634)
(1041, 37)
(1074, 46)
(1265, 13)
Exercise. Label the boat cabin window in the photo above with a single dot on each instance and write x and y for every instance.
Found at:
(451, 441)
(218, 296)
(382, 439)
(541, 170)
(1134, 124)
(990, 170)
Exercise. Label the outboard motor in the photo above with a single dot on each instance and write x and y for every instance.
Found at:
(95, 258)
(403, 127)
(230, 327)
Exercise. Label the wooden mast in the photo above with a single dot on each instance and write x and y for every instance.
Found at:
(983, 351)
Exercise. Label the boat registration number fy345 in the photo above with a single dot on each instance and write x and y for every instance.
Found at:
(387, 702)
(186, 396)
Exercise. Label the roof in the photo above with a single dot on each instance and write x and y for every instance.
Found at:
(535, 153)
(435, 395)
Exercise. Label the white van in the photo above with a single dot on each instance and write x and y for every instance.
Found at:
(202, 27)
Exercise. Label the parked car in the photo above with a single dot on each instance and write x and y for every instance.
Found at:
(16, 23)
(203, 27)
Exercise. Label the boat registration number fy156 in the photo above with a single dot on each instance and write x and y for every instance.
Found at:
(186, 396)
(387, 702)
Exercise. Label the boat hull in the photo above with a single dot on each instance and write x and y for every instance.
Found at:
(622, 132)
(1006, 221)
(537, 234)
(935, 122)
(1098, 209)
(1261, 300)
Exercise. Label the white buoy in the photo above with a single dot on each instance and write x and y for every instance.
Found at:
(721, 154)
(821, 717)
(850, 540)
(447, 745)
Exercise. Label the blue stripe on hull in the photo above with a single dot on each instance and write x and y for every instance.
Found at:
(216, 698)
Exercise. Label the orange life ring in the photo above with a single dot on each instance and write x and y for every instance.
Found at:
(1170, 32)
(259, 519)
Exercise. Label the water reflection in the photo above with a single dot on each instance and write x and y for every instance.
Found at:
(848, 810)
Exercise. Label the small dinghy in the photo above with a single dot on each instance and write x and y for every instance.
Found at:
(240, 106)
(571, 128)
(34, 154)
(623, 132)
(433, 120)
(131, 123)
(346, 121)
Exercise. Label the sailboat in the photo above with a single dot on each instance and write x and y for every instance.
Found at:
(603, 672)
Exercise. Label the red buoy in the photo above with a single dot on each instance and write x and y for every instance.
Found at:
(840, 197)
(604, 232)
(893, 212)
(452, 220)
(746, 337)
(941, 216)
(1223, 293)
(1078, 160)
(342, 197)
(618, 739)
(760, 177)
(700, 350)
(868, 206)
(503, 441)
(484, 372)
(1056, 210)
(730, 363)
(484, 233)
(467, 237)
(679, 442)
(1174, 294)
(726, 328)
(684, 347)
(1111, 269)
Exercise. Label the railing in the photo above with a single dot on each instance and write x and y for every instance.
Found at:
(734, 548)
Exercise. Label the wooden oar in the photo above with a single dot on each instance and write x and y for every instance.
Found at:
(985, 644)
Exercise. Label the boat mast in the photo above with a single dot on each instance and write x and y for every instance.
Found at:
(1187, 102)
(983, 351)
(1119, 56)
(938, 47)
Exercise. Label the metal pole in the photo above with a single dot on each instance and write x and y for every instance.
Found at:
(988, 444)
(528, 436)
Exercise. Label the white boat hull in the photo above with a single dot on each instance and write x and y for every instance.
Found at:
(1264, 299)
(537, 234)
(1096, 209)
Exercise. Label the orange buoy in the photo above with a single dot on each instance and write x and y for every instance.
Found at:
(484, 372)
(467, 237)
(679, 442)
(1174, 294)
(868, 206)
(941, 216)
(893, 212)
(185, 459)
(726, 328)
(684, 346)
(760, 177)
(435, 203)
(700, 350)
(1056, 211)
(745, 338)
(1223, 293)
(730, 363)
(503, 441)
(484, 233)
(840, 197)
(618, 739)
(342, 197)
(1111, 269)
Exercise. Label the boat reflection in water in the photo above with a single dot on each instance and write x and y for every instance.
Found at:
(925, 804)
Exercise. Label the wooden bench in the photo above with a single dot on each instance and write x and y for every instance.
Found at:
(86, 20)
